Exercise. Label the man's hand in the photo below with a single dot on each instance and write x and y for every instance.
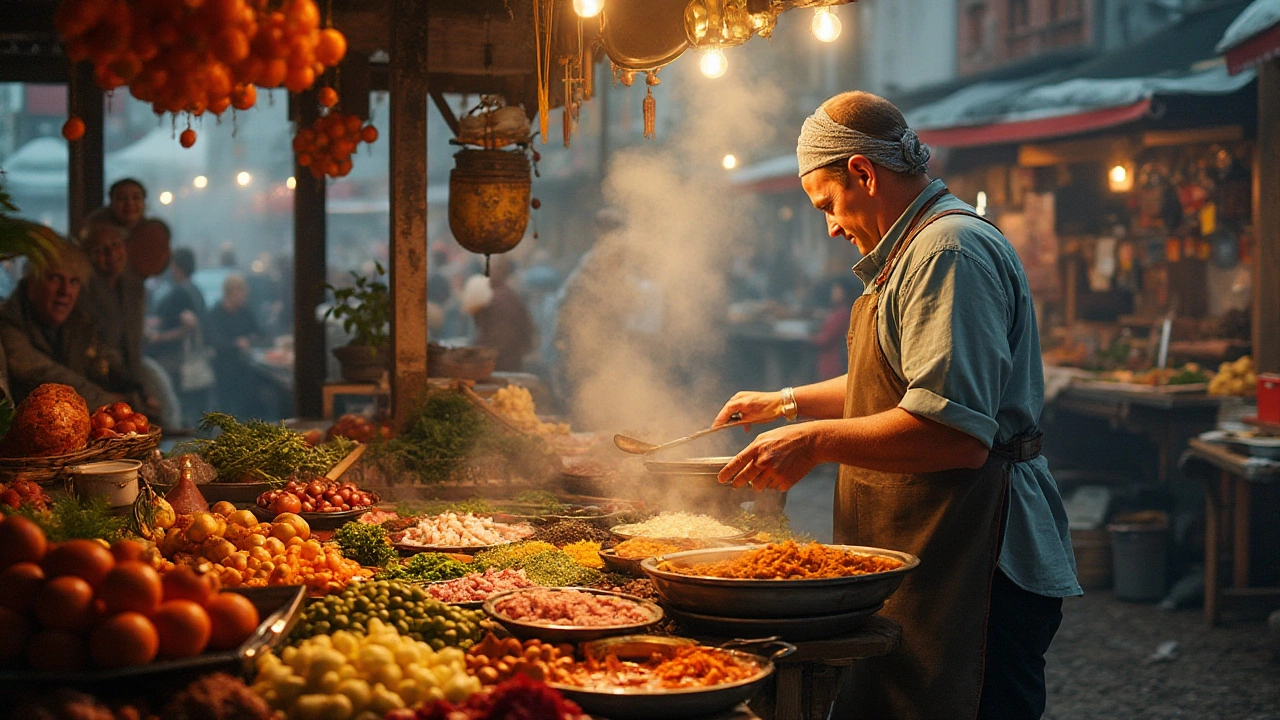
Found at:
(777, 459)
(189, 319)
(756, 407)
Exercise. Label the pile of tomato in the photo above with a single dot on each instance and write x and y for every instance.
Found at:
(110, 421)
(71, 606)
(318, 495)
(24, 492)
(199, 55)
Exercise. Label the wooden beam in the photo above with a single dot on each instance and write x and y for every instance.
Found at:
(85, 190)
(408, 148)
(310, 269)
(446, 112)
(1266, 214)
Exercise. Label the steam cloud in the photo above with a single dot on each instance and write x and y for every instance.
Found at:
(643, 327)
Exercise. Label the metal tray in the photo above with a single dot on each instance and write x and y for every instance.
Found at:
(646, 704)
(791, 629)
(629, 566)
(570, 633)
(774, 598)
(278, 609)
(316, 520)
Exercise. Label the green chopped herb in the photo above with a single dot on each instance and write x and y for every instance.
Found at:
(365, 543)
(425, 567)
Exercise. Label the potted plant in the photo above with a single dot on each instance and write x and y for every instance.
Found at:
(364, 308)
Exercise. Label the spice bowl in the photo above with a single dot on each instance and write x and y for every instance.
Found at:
(115, 481)
(554, 632)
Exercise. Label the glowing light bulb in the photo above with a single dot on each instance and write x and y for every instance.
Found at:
(291, 183)
(713, 63)
(166, 197)
(588, 8)
(244, 178)
(826, 26)
(730, 162)
(200, 181)
(1119, 174)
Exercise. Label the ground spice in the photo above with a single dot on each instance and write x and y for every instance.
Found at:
(585, 553)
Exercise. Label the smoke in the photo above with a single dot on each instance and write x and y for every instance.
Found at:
(643, 321)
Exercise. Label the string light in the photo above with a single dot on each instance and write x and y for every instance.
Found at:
(826, 26)
(200, 182)
(166, 197)
(244, 178)
(713, 63)
(291, 183)
(588, 8)
(730, 162)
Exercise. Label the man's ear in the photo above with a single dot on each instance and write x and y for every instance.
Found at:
(862, 172)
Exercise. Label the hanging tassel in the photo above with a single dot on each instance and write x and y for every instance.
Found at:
(650, 116)
(568, 125)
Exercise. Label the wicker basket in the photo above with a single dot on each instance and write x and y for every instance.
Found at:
(48, 469)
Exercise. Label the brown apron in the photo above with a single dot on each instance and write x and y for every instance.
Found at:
(950, 520)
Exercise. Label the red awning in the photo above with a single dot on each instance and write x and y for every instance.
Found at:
(1254, 51)
(1026, 130)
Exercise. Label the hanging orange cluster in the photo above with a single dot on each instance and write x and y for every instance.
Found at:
(197, 55)
(325, 148)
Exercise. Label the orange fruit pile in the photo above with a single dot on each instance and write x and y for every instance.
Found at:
(325, 148)
(248, 553)
(199, 55)
(79, 605)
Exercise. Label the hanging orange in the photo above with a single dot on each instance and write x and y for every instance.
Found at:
(187, 138)
(328, 97)
(369, 133)
(73, 129)
(331, 47)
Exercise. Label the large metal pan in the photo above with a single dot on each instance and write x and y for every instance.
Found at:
(773, 598)
(647, 704)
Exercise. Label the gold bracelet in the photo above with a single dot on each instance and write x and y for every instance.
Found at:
(790, 410)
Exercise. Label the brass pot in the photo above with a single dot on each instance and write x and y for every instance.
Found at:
(489, 199)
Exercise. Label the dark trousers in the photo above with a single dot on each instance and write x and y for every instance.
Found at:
(1020, 628)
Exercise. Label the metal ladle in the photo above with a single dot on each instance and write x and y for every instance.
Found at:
(639, 447)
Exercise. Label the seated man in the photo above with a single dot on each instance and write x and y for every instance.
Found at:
(48, 339)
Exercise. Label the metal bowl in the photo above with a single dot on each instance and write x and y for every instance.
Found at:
(774, 598)
(552, 633)
(628, 566)
(688, 466)
(797, 629)
(645, 704)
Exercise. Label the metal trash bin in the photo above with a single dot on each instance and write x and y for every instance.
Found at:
(1139, 556)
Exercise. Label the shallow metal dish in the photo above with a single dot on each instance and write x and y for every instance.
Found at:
(774, 598)
(688, 466)
(791, 629)
(647, 704)
(629, 566)
(570, 633)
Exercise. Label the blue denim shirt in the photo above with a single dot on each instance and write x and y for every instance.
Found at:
(957, 324)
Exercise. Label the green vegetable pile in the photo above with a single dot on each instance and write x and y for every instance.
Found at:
(448, 438)
(776, 527)
(404, 606)
(258, 451)
(70, 518)
(549, 568)
(425, 567)
(365, 543)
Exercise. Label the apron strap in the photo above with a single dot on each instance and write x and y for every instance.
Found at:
(913, 230)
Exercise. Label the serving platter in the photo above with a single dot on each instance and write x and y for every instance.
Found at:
(558, 633)
(688, 466)
(774, 598)
(631, 703)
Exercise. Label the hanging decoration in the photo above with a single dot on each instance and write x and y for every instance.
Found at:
(192, 57)
(326, 147)
(490, 186)
(543, 12)
(650, 106)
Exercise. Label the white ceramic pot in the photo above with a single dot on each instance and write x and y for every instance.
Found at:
(116, 481)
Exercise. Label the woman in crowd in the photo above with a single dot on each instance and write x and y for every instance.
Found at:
(127, 205)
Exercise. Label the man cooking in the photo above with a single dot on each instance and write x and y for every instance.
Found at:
(934, 428)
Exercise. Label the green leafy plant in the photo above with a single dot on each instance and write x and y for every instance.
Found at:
(364, 309)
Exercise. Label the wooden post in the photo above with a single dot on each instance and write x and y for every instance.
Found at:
(408, 80)
(1266, 214)
(85, 190)
(310, 267)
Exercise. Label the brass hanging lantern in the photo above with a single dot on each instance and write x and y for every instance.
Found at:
(717, 24)
(489, 199)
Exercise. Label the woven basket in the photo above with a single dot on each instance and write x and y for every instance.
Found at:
(49, 469)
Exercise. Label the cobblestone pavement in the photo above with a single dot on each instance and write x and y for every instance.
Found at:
(1105, 663)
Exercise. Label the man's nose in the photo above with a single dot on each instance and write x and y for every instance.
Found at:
(833, 228)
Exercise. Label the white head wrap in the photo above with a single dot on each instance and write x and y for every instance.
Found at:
(824, 141)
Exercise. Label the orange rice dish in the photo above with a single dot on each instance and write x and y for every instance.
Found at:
(789, 561)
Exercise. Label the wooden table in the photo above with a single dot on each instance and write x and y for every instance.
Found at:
(805, 683)
(1227, 495)
(1168, 419)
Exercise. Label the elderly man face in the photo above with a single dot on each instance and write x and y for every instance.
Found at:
(846, 202)
(106, 248)
(53, 294)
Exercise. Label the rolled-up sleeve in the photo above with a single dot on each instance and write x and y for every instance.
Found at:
(952, 322)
